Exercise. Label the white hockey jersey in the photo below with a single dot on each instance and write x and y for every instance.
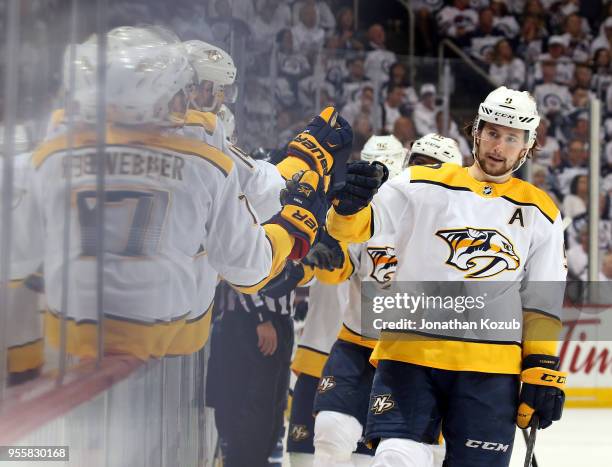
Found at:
(166, 197)
(321, 327)
(447, 226)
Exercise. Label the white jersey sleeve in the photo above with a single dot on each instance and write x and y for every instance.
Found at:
(260, 181)
(545, 270)
(27, 235)
(389, 204)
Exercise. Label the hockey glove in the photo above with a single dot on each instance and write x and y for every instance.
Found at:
(287, 281)
(362, 182)
(542, 391)
(326, 138)
(303, 209)
(326, 253)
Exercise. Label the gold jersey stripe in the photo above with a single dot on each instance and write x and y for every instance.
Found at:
(25, 357)
(353, 337)
(309, 361)
(120, 136)
(142, 340)
(514, 190)
(448, 354)
(206, 120)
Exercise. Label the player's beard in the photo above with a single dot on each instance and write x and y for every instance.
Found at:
(496, 166)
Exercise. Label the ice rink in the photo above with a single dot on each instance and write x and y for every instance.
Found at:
(582, 438)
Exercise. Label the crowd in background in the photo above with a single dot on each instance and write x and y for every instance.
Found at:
(293, 57)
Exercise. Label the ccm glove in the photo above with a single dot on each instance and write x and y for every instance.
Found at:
(326, 253)
(542, 391)
(326, 138)
(303, 210)
(362, 182)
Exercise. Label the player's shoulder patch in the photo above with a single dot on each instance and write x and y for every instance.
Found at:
(206, 120)
(523, 193)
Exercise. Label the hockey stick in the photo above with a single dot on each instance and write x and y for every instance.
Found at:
(530, 459)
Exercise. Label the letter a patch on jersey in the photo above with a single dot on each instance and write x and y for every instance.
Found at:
(382, 404)
(517, 216)
(384, 263)
(479, 252)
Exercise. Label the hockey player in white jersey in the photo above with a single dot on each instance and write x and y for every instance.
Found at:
(473, 226)
(165, 196)
(344, 392)
(25, 353)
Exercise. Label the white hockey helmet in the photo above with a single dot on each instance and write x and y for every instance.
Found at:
(226, 117)
(141, 82)
(437, 147)
(385, 149)
(510, 108)
(215, 65)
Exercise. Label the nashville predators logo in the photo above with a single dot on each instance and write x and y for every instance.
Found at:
(384, 263)
(481, 253)
(326, 383)
(382, 404)
(303, 189)
(299, 432)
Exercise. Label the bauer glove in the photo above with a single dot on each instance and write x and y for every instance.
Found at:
(303, 210)
(324, 143)
(542, 391)
(362, 182)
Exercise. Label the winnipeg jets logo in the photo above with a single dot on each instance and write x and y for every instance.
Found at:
(481, 253)
(382, 403)
(384, 263)
(299, 432)
(326, 383)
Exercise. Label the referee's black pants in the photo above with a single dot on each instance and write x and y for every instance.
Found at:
(250, 390)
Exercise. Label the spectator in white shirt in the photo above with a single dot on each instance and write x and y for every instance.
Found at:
(378, 58)
(458, 20)
(552, 97)
(391, 108)
(484, 38)
(557, 48)
(548, 153)
(574, 164)
(506, 69)
(424, 115)
(307, 36)
(503, 21)
(362, 106)
(575, 203)
(324, 18)
(578, 40)
(604, 39)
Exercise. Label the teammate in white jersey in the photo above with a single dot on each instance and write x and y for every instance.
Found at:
(472, 226)
(165, 197)
(344, 392)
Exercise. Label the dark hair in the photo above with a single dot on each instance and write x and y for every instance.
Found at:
(468, 131)
(574, 184)
(404, 82)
